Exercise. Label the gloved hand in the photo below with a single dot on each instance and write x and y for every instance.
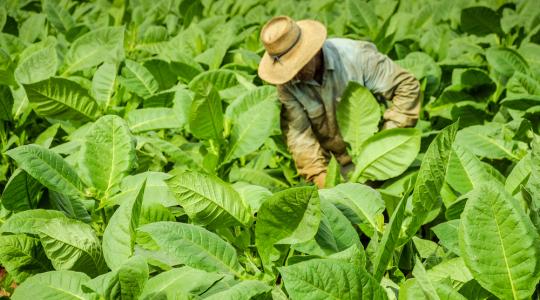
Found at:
(320, 179)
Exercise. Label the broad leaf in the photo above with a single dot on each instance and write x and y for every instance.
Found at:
(37, 64)
(47, 167)
(120, 234)
(208, 201)
(154, 118)
(127, 282)
(252, 128)
(194, 246)
(362, 204)
(206, 115)
(430, 179)
(506, 61)
(499, 243)
(30, 221)
(107, 154)
(21, 192)
(91, 49)
(335, 234)
(480, 20)
(250, 99)
(247, 289)
(58, 16)
(72, 245)
(63, 99)
(179, 282)
(358, 115)
(387, 154)
(465, 171)
(288, 217)
(322, 279)
(53, 285)
(138, 80)
(71, 205)
(104, 84)
(22, 256)
(447, 233)
(488, 141)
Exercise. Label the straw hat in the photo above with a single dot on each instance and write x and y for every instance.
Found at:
(289, 47)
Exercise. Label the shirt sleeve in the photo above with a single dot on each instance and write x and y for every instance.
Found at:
(308, 154)
(384, 77)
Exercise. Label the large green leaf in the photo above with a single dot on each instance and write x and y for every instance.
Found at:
(179, 282)
(208, 201)
(362, 204)
(63, 99)
(127, 282)
(252, 128)
(156, 190)
(523, 84)
(430, 179)
(72, 245)
(465, 171)
(37, 63)
(22, 256)
(47, 167)
(480, 20)
(362, 18)
(447, 233)
(499, 243)
(21, 192)
(104, 44)
(488, 141)
(120, 234)
(358, 115)
(58, 16)
(154, 118)
(53, 285)
(71, 205)
(194, 246)
(244, 290)
(335, 233)
(206, 114)
(104, 84)
(219, 79)
(250, 99)
(107, 154)
(30, 221)
(387, 154)
(138, 80)
(288, 217)
(322, 279)
(506, 61)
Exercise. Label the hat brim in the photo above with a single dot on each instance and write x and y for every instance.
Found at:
(310, 42)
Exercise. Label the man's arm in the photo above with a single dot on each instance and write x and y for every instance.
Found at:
(383, 76)
(307, 153)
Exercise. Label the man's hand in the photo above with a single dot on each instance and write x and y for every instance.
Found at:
(320, 179)
(390, 124)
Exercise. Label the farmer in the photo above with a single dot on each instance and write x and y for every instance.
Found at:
(311, 73)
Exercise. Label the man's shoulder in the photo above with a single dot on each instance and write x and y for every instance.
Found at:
(347, 45)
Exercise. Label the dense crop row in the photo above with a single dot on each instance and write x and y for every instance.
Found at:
(143, 159)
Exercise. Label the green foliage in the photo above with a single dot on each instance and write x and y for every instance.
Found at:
(142, 157)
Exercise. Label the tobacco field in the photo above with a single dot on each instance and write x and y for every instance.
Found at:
(142, 156)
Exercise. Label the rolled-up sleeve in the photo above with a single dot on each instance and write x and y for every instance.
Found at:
(306, 150)
(384, 77)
